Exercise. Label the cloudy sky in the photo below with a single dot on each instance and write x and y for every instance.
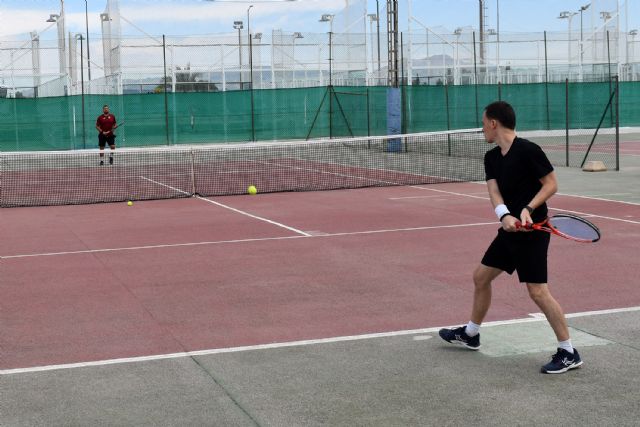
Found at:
(199, 17)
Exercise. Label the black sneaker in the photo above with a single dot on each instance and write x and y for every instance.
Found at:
(459, 336)
(101, 162)
(110, 160)
(562, 361)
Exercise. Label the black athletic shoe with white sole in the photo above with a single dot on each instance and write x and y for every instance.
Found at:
(459, 336)
(562, 361)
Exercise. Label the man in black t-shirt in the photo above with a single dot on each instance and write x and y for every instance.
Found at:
(520, 179)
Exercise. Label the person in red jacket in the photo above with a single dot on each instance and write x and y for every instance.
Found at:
(105, 124)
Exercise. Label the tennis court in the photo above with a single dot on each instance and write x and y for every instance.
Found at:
(311, 308)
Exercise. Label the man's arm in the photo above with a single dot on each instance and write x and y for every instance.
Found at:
(549, 188)
(508, 221)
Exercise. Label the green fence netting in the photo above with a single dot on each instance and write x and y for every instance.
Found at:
(63, 123)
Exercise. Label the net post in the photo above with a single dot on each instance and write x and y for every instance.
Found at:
(193, 172)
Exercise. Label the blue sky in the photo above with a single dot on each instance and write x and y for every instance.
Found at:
(197, 17)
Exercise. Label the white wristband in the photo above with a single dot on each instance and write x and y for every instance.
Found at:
(501, 210)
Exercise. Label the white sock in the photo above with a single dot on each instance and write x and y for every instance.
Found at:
(472, 329)
(565, 345)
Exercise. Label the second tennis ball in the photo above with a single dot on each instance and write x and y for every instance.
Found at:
(252, 190)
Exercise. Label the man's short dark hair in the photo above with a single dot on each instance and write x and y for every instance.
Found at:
(502, 112)
(105, 105)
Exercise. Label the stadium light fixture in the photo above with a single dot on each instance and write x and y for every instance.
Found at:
(582, 9)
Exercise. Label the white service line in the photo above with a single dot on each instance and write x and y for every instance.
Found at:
(295, 230)
(551, 208)
(258, 239)
(301, 343)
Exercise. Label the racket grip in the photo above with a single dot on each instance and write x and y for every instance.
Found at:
(527, 226)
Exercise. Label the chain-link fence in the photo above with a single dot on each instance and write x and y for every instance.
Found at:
(125, 65)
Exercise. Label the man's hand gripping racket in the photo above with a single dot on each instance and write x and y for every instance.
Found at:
(568, 226)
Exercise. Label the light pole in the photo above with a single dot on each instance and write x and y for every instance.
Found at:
(372, 18)
(327, 18)
(582, 9)
(568, 16)
(494, 32)
(378, 24)
(86, 21)
(54, 17)
(457, 32)
(250, 54)
(605, 17)
(238, 25)
(633, 34)
(296, 35)
(248, 25)
(84, 133)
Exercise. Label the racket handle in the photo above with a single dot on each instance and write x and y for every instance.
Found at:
(527, 226)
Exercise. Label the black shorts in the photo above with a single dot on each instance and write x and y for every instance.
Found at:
(523, 252)
(106, 140)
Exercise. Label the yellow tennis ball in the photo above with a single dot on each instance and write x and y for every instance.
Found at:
(129, 203)
(252, 190)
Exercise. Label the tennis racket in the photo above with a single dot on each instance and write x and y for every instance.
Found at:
(568, 226)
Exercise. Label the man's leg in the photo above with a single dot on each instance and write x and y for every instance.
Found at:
(113, 148)
(482, 278)
(469, 335)
(101, 144)
(567, 357)
(539, 293)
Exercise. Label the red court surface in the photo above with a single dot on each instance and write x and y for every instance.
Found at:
(99, 282)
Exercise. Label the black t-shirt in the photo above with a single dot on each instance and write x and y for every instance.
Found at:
(518, 175)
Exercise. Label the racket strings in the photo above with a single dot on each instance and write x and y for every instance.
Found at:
(575, 227)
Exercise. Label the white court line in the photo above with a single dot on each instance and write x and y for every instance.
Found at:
(229, 207)
(301, 343)
(295, 230)
(259, 239)
(552, 208)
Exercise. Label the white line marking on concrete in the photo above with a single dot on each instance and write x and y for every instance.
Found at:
(291, 344)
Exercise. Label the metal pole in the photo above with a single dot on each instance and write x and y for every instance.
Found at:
(84, 133)
(475, 78)
(330, 58)
(567, 119)
(86, 19)
(249, 38)
(240, 56)
(581, 44)
(546, 78)
(617, 101)
(253, 123)
(498, 76)
(166, 101)
(378, 13)
(609, 65)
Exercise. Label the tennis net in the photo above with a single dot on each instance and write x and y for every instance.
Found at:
(77, 177)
